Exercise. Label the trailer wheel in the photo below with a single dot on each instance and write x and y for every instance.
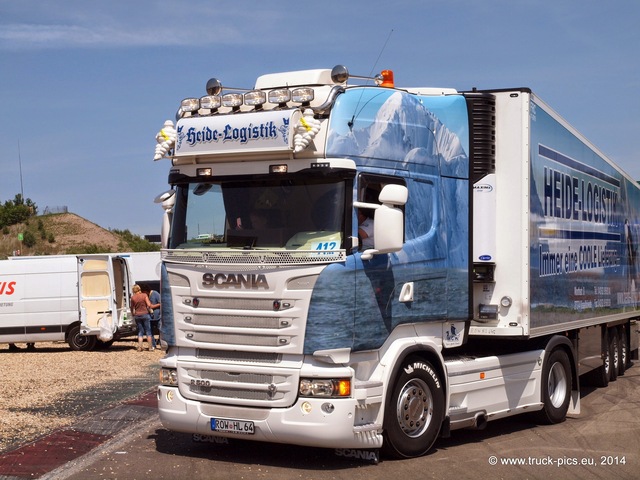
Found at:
(414, 410)
(623, 352)
(600, 376)
(614, 354)
(556, 387)
(80, 342)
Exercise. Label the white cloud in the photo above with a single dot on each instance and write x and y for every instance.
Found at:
(35, 36)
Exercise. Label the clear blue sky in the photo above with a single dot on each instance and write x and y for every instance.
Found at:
(85, 86)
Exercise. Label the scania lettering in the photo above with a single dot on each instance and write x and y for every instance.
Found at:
(500, 270)
(222, 280)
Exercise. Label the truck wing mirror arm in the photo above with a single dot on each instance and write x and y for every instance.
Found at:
(388, 221)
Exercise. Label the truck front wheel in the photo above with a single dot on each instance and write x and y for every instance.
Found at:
(556, 387)
(80, 342)
(414, 410)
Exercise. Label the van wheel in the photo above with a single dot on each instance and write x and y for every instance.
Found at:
(414, 410)
(103, 345)
(614, 354)
(556, 387)
(80, 342)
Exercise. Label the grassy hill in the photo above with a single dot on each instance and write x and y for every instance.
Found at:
(67, 233)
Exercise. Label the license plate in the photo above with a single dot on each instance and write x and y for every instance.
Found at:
(232, 426)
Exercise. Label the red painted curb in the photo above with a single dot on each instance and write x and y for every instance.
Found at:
(48, 453)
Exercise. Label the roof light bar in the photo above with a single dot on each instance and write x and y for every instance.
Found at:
(232, 100)
(302, 95)
(190, 105)
(255, 98)
(280, 96)
(210, 102)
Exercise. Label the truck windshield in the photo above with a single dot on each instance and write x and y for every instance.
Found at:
(283, 213)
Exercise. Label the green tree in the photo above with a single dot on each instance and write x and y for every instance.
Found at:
(136, 242)
(29, 239)
(17, 211)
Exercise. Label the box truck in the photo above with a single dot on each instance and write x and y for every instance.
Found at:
(503, 271)
(70, 297)
(145, 268)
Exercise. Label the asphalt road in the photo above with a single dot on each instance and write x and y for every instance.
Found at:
(603, 443)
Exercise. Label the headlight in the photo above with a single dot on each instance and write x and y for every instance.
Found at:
(325, 387)
(169, 377)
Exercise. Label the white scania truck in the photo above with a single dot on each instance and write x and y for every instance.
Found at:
(503, 273)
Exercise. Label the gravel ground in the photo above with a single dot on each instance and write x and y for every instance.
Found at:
(53, 386)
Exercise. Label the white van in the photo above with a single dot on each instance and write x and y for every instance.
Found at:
(65, 298)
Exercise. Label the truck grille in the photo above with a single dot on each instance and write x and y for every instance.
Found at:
(239, 384)
(243, 344)
(238, 357)
(262, 258)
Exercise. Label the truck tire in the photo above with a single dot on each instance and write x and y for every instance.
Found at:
(557, 380)
(623, 349)
(599, 377)
(80, 342)
(414, 410)
(614, 354)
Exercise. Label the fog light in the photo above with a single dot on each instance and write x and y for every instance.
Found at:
(169, 376)
(328, 407)
(306, 408)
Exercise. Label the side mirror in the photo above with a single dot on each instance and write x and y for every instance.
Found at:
(166, 200)
(388, 220)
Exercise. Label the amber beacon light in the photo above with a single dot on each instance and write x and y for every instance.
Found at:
(387, 78)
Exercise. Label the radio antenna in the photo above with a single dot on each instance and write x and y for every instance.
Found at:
(353, 117)
(381, 52)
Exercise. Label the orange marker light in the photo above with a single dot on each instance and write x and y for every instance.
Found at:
(344, 388)
(387, 78)
(482, 376)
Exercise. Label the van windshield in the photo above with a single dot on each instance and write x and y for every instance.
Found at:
(283, 213)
